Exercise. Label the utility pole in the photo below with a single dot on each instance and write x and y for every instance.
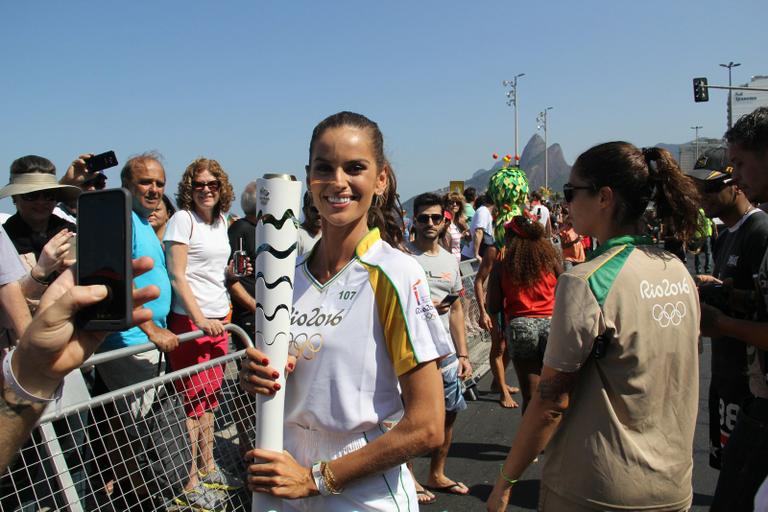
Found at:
(730, 66)
(512, 102)
(542, 124)
(697, 128)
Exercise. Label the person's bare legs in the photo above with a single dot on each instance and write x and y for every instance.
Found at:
(205, 442)
(424, 496)
(437, 477)
(496, 359)
(193, 427)
(528, 372)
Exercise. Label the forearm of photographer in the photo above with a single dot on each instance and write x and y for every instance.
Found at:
(49, 349)
(716, 323)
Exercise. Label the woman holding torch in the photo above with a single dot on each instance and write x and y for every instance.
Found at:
(363, 325)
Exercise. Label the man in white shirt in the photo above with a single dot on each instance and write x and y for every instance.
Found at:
(541, 212)
(481, 230)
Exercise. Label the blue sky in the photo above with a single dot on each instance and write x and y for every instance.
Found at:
(245, 82)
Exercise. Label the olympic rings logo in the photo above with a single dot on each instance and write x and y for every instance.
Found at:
(305, 346)
(669, 314)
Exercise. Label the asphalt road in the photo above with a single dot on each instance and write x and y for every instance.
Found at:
(483, 434)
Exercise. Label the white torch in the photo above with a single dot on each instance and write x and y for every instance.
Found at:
(279, 197)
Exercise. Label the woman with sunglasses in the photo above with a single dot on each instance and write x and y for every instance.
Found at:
(43, 240)
(457, 227)
(617, 400)
(197, 251)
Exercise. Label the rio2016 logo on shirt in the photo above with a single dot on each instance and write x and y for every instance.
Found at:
(663, 289)
(315, 318)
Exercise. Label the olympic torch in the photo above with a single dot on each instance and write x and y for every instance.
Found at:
(278, 202)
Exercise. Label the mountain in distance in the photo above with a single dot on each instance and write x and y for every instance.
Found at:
(531, 161)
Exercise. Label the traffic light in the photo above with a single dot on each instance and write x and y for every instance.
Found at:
(700, 90)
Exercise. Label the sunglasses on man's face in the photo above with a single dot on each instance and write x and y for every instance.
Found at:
(424, 218)
(45, 195)
(569, 191)
(212, 185)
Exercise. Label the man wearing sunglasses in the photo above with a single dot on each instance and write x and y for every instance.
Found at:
(445, 286)
(737, 252)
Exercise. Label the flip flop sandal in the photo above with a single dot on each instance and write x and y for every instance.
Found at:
(430, 498)
(449, 489)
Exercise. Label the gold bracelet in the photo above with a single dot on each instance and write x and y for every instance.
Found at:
(330, 480)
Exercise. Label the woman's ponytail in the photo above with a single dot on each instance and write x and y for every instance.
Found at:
(386, 212)
(674, 194)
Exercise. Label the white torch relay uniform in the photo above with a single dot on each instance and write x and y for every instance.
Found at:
(354, 336)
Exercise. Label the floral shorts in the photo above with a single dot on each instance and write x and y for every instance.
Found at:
(527, 337)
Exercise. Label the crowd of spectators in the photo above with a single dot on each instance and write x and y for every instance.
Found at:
(609, 394)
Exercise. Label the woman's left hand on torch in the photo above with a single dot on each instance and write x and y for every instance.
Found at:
(279, 474)
(257, 377)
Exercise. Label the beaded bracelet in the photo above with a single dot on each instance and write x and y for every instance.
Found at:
(505, 477)
(11, 382)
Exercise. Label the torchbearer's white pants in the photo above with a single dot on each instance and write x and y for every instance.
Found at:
(391, 491)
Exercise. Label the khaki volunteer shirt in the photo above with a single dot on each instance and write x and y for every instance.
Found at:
(626, 440)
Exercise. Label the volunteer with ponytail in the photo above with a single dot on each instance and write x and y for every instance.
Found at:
(362, 323)
(616, 404)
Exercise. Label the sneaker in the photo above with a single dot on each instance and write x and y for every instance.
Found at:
(218, 479)
(201, 500)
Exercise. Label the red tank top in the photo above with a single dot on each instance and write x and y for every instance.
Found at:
(535, 301)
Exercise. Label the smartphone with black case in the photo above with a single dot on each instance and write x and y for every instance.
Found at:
(100, 162)
(449, 299)
(104, 235)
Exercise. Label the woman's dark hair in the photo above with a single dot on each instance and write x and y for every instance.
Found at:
(527, 257)
(639, 177)
(169, 206)
(386, 211)
(32, 164)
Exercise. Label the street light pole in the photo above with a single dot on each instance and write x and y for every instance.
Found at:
(512, 102)
(730, 66)
(697, 128)
(542, 122)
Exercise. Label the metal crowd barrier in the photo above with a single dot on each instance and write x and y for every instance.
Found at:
(129, 449)
(478, 340)
(98, 454)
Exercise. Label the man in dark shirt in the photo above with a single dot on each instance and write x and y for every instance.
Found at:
(243, 291)
(737, 253)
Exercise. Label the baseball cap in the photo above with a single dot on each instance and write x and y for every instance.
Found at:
(712, 165)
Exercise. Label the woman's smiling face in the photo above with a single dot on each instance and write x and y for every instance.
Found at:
(343, 176)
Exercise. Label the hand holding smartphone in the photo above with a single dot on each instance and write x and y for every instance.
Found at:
(104, 236)
(100, 162)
